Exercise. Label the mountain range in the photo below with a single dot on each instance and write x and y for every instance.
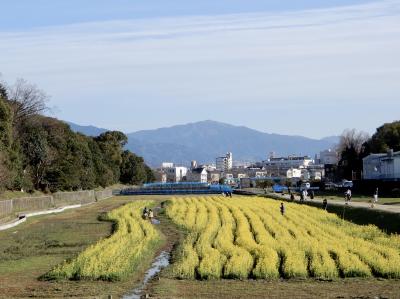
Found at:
(205, 140)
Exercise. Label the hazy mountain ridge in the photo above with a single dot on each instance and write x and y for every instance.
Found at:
(204, 141)
(86, 130)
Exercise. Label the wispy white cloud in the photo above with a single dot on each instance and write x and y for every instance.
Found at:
(223, 67)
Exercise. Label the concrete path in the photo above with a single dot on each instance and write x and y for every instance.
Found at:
(319, 199)
(17, 221)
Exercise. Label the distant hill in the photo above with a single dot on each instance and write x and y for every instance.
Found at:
(332, 139)
(204, 141)
(86, 130)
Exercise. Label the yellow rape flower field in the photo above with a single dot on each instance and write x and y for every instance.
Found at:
(240, 238)
(245, 237)
(116, 257)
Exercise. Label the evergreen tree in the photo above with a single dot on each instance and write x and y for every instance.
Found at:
(386, 137)
(38, 152)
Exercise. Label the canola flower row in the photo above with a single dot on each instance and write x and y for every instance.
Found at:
(244, 237)
(119, 255)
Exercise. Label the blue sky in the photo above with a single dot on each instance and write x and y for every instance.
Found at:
(25, 14)
(293, 67)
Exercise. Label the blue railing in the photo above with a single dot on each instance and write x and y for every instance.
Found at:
(177, 188)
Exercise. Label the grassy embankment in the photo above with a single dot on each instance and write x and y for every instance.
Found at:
(17, 194)
(34, 248)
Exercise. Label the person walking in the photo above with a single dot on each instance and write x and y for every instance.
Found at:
(325, 204)
(145, 213)
(375, 199)
(304, 194)
(347, 196)
(291, 196)
(151, 215)
(282, 208)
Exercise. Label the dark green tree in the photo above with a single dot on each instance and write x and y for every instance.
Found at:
(36, 153)
(385, 138)
(150, 174)
(133, 169)
(111, 145)
(3, 92)
(5, 143)
(103, 174)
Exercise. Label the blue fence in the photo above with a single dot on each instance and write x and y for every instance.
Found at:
(177, 188)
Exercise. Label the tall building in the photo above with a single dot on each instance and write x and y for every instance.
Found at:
(224, 163)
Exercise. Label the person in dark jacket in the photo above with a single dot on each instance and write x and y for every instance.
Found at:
(291, 196)
(282, 208)
(325, 204)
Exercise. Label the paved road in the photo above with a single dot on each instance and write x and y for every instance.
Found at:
(387, 208)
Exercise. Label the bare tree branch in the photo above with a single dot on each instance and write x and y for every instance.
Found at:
(352, 139)
(26, 100)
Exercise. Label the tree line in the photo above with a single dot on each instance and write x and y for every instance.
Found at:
(42, 153)
(354, 146)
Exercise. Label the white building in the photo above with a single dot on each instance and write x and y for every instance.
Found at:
(167, 165)
(208, 167)
(293, 173)
(197, 175)
(259, 174)
(289, 162)
(328, 156)
(242, 175)
(279, 166)
(382, 166)
(176, 173)
(224, 163)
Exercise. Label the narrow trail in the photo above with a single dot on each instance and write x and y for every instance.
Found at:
(357, 204)
(162, 257)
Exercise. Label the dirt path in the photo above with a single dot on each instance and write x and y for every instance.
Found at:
(174, 236)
